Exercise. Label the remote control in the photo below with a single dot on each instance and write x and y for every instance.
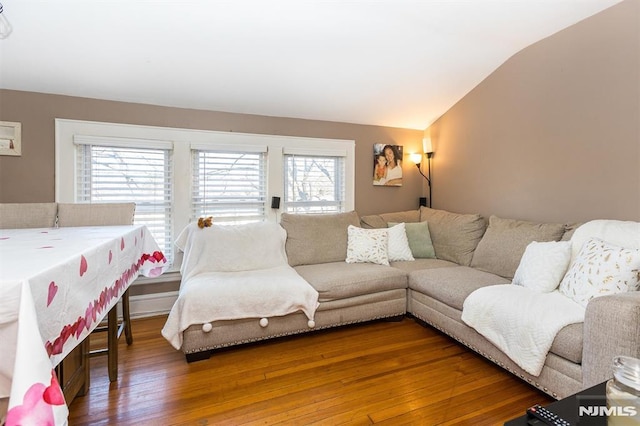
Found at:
(545, 416)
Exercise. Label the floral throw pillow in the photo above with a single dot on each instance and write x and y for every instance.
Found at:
(601, 269)
(367, 245)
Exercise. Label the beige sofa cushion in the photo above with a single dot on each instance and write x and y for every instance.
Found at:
(505, 241)
(451, 285)
(421, 264)
(382, 220)
(454, 236)
(340, 280)
(317, 238)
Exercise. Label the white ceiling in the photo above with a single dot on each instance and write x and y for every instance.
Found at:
(399, 63)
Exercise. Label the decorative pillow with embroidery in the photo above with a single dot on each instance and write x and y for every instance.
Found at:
(399, 244)
(543, 265)
(601, 269)
(367, 245)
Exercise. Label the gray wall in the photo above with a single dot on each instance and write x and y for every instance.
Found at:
(553, 134)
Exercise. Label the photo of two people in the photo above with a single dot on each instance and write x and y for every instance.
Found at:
(387, 164)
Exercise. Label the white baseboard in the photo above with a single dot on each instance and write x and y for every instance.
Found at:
(149, 305)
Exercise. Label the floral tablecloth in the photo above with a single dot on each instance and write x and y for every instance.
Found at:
(56, 285)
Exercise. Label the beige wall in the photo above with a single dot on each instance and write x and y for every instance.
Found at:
(553, 134)
(30, 178)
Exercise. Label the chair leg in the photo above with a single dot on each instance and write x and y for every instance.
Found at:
(112, 344)
(126, 318)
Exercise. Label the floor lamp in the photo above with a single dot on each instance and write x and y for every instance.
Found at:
(417, 158)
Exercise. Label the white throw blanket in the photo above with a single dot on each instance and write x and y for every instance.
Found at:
(520, 322)
(236, 272)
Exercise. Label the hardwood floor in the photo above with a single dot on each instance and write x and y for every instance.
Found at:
(377, 373)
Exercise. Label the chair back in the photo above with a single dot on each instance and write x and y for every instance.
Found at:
(95, 214)
(27, 215)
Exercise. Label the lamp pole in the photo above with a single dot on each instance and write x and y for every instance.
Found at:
(429, 155)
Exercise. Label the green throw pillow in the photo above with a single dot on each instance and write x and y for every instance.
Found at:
(419, 239)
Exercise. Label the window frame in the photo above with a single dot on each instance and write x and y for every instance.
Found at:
(183, 141)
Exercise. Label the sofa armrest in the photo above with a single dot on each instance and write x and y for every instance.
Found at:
(611, 328)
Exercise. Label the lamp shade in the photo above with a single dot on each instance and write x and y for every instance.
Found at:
(426, 145)
(416, 158)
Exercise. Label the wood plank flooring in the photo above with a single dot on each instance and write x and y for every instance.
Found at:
(387, 373)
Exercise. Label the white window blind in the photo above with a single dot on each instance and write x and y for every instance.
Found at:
(229, 185)
(118, 171)
(314, 183)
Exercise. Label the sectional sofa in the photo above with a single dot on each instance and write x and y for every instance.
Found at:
(455, 254)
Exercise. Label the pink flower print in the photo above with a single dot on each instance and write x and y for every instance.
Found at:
(121, 244)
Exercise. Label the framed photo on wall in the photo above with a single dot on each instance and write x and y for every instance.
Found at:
(10, 138)
(387, 165)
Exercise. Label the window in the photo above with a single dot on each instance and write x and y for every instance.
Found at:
(314, 184)
(111, 170)
(229, 185)
(176, 176)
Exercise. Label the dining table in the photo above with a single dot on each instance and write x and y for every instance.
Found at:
(56, 286)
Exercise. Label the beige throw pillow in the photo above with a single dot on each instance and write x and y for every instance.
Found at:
(505, 241)
(317, 238)
(454, 236)
(382, 220)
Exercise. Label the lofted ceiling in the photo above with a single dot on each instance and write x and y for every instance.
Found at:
(399, 63)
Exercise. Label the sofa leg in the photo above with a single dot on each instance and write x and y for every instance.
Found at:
(198, 356)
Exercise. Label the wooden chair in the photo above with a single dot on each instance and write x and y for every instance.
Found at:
(78, 214)
(27, 215)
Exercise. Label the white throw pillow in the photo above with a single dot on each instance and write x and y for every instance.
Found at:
(543, 265)
(367, 245)
(601, 269)
(399, 243)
